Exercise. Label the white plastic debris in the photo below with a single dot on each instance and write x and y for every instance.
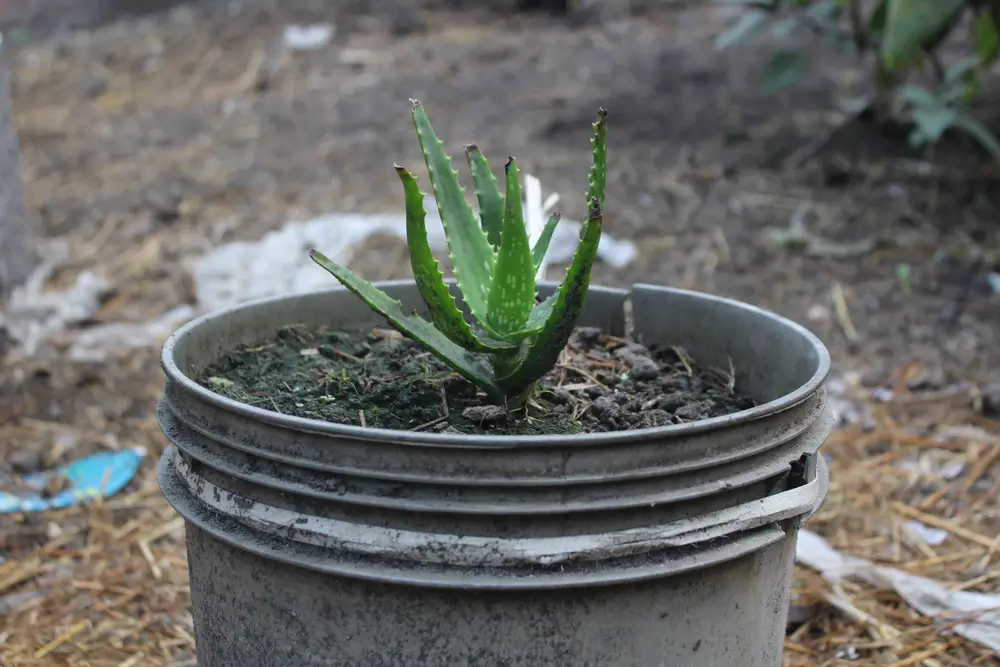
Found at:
(33, 313)
(979, 612)
(843, 392)
(277, 264)
(95, 343)
(932, 536)
(308, 37)
(952, 469)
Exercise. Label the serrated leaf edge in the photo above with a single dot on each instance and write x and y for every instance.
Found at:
(512, 295)
(427, 274)
(476, 296)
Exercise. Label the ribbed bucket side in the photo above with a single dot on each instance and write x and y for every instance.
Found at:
(320, 544)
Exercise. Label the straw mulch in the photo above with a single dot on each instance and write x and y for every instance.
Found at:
(192, 132)
(107, 585)
(928, 457)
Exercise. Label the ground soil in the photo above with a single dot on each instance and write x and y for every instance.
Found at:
(380, 379)
(148, 142)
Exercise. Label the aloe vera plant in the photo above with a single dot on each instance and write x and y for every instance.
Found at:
(515, 338)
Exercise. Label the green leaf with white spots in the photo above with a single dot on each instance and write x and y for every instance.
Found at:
(542, 244)
(487, 194)
(539, 313)
(472, 256)
(565, 310)
(512, 294)
(472, 367)
(430, 282)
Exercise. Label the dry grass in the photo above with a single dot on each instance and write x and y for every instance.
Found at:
(881, 477)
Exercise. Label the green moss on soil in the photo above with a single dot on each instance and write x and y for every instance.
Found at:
(606, 384)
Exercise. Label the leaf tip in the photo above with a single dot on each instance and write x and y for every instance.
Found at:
(510, 163)
(471, 148)
(602, 117)
(415, 102)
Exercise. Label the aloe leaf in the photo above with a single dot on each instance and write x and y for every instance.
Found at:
(599, 171)
(540, 313)
(487, 194)
(430, 281)
(542, 244)
(512, 295)
(472, 256)
(565, 310)
(471, 367)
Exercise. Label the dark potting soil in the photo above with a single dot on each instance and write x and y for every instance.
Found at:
(381, 379)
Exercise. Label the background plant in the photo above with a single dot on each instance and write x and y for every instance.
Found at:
(515, 338)
(904, 37)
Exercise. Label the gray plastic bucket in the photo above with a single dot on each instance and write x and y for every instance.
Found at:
(318, 544)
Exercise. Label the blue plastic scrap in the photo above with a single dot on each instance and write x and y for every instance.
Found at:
(102, 474)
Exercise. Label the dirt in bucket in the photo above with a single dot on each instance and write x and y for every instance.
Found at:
(381, 379)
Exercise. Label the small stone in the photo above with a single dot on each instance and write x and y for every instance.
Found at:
(588, 335)
(671, 402)
(559, 396)
(607, 379)
(694, 411)
(484, 413)
(603, 406)
(386, 334)
(607, 411)
(644, 369)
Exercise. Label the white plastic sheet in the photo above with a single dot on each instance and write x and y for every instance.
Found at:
(278, 264)
(275, 265)
(980, 612)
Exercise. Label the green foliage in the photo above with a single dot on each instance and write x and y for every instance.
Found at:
(903, 37)
(514, 339)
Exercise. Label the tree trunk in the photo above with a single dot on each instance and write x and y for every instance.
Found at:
(17, 253)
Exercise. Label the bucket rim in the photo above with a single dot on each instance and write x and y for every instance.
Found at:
(803, 392)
